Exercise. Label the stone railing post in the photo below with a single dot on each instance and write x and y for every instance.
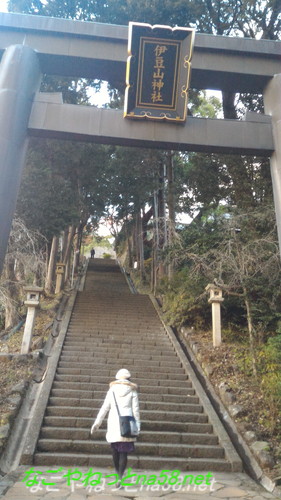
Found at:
(60, 267)
(215, 299)
(32, 302)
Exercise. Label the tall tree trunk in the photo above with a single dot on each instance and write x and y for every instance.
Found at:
(78, 246)
(242, 184)
(171, 206)
(136, 242)
(66, 259)
(171, 188)
(251, 332)
(129, 245)
(52, 265)
(161, 218)
(140, 240)
(130, 253)
(64, 237)
(12, 299)
(155, 246)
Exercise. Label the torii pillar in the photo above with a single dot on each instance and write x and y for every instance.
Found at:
(272, 105)
(20, 78)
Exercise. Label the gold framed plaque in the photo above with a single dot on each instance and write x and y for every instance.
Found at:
(158, 72)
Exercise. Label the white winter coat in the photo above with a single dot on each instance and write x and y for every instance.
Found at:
(128, 404)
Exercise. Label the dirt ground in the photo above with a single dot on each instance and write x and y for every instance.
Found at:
(225, 362)
(17, 370)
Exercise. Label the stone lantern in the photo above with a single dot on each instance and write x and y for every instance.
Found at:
(60, 267)
(215, 299)
(32, 302)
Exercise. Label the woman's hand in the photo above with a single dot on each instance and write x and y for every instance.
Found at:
(94, 428)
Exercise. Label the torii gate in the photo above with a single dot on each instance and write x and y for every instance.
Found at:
(33, 45)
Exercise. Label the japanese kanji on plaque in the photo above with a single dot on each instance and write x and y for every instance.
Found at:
(158, 72)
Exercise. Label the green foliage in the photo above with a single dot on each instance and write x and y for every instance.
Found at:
(232, 17)
(239, 252)
(46, 203)
(183, 302)
(120, 243)
(203, 106)
(63, 183)
(102, 241)
(131, 176)
(233, 333)
(243, 357)
(269, 373)
(106, 255)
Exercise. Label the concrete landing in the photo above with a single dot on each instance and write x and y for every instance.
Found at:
(223, 485)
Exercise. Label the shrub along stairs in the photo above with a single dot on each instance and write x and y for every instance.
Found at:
(111, 328)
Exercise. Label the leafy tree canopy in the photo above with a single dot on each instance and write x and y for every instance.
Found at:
(222, 17)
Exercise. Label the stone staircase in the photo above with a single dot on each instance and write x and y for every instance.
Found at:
(111, 328)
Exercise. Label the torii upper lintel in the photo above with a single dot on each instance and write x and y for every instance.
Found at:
(96, 50)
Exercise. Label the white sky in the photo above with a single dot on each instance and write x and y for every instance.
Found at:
(3, 5)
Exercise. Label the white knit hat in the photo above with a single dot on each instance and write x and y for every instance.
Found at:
(123, 373)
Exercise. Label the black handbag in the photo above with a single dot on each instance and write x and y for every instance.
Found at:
(128, 424)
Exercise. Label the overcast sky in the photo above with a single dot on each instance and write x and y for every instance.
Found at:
(3, 5)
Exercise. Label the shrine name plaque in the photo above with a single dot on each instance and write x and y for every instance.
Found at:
(158, 72)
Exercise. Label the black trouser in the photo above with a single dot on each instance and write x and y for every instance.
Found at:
(120, 461)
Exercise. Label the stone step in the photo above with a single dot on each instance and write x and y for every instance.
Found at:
(126, 308)
(105, 341)
(95, 404)
(138, 300)
(119, 349)
(110, 374)
(118, 331)
(120, 355)
(79, 411)
(136, 462)
(116, 321)
(99, 338)
(144, 384)
(67, 391)
(131, 309)
(103, 349)
(115, 316)
(151, 449)
(88, 357)
(112, 368)
(111, 328)
(145, 436)
(146, 425)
